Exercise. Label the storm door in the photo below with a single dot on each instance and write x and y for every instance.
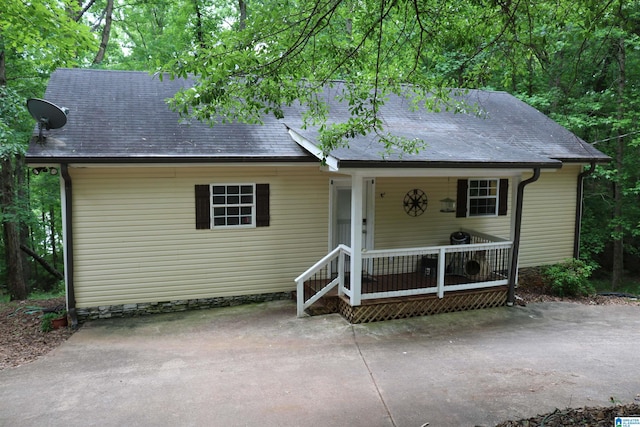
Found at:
(340, 230)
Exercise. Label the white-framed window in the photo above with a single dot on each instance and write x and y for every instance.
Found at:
(483, 197)
(233, 205)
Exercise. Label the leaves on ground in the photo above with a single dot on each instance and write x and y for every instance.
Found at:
(21, 337)
(588, 416)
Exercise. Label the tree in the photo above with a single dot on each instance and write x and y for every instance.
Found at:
(27, 54)
(106, 32)
(572, 60)
(588, 92)
(285, 52)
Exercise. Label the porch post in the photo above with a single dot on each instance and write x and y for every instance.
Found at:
(357, 185)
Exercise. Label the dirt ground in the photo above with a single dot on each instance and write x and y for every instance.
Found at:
(22, 341)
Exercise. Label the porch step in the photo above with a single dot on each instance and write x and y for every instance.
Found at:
(328, 304)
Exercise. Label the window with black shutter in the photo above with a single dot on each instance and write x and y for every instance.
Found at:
(482, 197)
(232, 205)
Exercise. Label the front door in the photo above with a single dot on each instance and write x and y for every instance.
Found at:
(340, 232)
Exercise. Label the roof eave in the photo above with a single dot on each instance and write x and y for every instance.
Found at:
(168, 160)
(586, 160)
(356, 164)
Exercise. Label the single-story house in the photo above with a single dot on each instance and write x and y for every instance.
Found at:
(164, 213)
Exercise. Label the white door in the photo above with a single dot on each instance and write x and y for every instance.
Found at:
(341, 213)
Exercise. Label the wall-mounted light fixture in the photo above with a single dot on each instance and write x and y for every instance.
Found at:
(38, 171)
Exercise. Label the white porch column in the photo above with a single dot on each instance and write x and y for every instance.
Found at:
(357, 186)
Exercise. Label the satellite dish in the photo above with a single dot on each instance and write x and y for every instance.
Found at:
(47, 114)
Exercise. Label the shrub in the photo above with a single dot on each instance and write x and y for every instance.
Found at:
(570, 278)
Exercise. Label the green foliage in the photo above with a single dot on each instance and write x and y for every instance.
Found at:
(44, 33)
(46, 324)
(562, 57)
(286, 52)
(631, 286)
(35, 38)
(14, 122)
(570, 278)
(58, 290)
(150, 33)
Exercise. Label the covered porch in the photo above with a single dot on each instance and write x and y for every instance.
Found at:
(399, 283)
(472, 269)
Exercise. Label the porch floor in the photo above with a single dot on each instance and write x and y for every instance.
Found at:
(373, 310)
(394, 282)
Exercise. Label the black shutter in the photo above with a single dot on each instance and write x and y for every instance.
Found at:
(461, 202)
(203, 207)
(262, 205)
(504, 197)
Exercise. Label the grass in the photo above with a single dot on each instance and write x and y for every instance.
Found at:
(630, 285)
(37, 294)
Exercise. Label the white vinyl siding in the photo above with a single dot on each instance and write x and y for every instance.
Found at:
(135, 238)
(395, 229)
(548, 218)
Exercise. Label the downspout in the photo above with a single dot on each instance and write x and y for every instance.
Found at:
(511, 296)
(579, 194)
(68, 250)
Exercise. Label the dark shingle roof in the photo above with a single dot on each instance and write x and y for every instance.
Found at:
(498, 128)
(120, 116)
(123, 115)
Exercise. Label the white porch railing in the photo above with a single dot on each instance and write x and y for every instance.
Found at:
(434, 270)
(390, 273)
(322, 277)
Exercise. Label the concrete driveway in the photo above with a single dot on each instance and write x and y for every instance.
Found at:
(258, 365)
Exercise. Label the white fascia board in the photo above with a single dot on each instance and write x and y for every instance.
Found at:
(435, 172)
(330, 161)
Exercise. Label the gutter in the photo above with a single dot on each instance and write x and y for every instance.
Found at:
(578, 224)
(511, 296)
(437, 164)
(68, 250)
(209, 160)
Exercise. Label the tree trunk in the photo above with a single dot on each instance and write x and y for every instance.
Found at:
(11, 232)
(22, 187)
(43, 262)
(10, 225)
(617, 273)
(52, 228)
(242, 6)
(77, 16)
(106, 32)
(199, 31)
(3, 75)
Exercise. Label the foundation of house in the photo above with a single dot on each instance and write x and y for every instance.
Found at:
(141, 309)
(404, 307)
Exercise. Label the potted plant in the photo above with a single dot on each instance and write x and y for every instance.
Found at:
(53, 320)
